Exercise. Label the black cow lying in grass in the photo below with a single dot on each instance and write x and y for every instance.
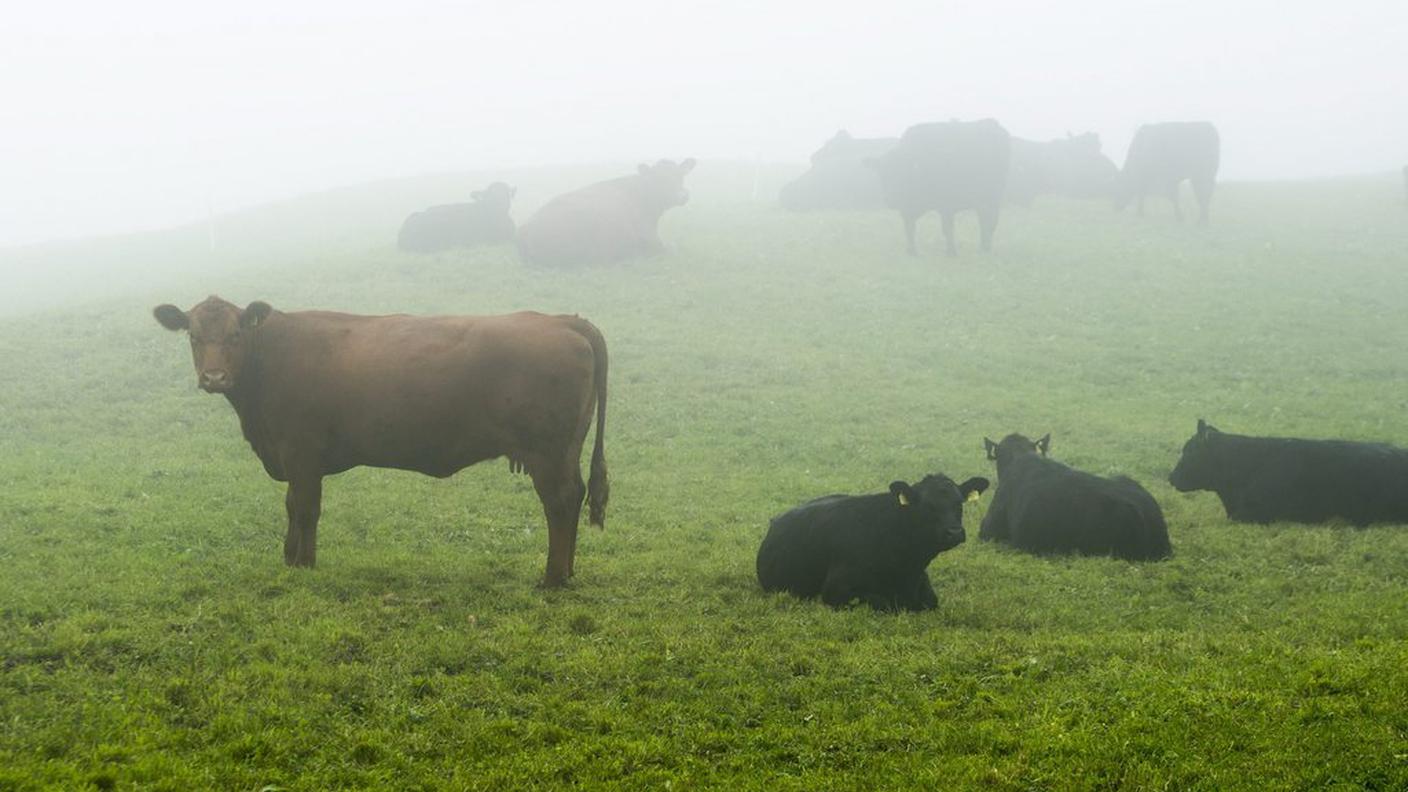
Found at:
(1262, 479)
(873, 548)
(1045, 507)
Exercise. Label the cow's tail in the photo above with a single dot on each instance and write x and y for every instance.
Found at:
(598, 487)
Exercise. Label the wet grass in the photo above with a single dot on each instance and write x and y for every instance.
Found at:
(150, 637)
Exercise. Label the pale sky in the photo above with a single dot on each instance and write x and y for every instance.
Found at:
(119, 116)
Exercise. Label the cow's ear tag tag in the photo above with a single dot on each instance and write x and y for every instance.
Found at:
(903, 500)
(974, 495)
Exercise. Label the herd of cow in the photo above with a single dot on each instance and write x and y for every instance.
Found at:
(318, 392)
(946, 167)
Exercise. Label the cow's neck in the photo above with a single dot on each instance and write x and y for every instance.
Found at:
(245, 397)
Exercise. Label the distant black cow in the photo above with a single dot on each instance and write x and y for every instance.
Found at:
(484, 221)
(1044, 507)
(607, 221)
(1073, 166)
(947, 167)
(874, 548)
(839, 177)
(1163, 156)
(1264, 479)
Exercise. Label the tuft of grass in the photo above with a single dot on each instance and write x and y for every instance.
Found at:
(150, 636)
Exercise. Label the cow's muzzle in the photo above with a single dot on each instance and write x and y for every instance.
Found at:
(215, 381)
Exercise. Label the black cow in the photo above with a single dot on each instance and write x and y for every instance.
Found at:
(839, 177)
(1163, 156)
(1073, 166)
(874, 548)
(484, 221)
(947, 167)
(1264, 479)
(1045, 507)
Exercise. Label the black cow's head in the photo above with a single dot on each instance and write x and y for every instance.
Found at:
(1198, 467)
(936, 504)
(497, 194)
(220, 336)
(664, 182)
(1015, 446)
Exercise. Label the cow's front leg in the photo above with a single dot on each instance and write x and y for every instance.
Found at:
(304, 505)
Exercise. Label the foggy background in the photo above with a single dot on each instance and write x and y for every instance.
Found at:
(144, 114)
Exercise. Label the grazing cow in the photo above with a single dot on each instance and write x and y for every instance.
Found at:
(1264, 479)
(1044, 507)
(947, 167)
(874, 548)
(483, 221)
(1073, 166)
(1163, 156)
(607, 221)
(318, 393)
(839, 177)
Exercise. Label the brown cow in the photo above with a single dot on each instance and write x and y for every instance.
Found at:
(607, 221)
(318, 393)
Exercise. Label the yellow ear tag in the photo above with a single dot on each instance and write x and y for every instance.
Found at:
(974, 495)
(903, 500)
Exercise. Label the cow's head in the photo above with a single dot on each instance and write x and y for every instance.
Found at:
(936, 504)
(664, 182)
(1199, 465)
(497, 194)
(221, 336)
(1015, 446)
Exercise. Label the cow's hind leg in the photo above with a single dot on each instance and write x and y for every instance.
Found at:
(1202, 190)
(304, 504)
(561, 490)
(949, 247)
(987, 224)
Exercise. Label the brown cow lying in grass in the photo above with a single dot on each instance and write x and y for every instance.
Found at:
(318, 393)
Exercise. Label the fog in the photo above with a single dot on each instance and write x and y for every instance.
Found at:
(126, 116)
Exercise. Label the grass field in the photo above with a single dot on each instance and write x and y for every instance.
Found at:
(151, 637)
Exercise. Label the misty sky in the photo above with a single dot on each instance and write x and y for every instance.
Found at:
(131, 115)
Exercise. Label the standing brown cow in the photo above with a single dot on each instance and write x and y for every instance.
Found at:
(607, 221)
(318, 393)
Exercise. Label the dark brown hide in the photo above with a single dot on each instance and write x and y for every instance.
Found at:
(320, 392)
(607, 221)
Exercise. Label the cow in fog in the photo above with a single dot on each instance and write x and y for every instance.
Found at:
(1162, 156)
(1265, 479)
(947, 167)
(872, 548)
(607, 221)
(1073, 166)
(485, 220)
(839, 177)
(1044, 507)
(318, 393)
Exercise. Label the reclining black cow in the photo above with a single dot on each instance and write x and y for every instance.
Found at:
(872, 548)
(1263, 479)
(1045, 507)
(483, 221)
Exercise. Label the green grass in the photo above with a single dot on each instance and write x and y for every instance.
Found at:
(151, 638)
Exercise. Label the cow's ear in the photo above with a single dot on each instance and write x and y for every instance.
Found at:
(255, 314)
(990, 447)
(973, 487)
(1205, 428)
(171, 317)
(1044, 444)
(477, 195)
(688, 165)
(904, 493)
(642, 169)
